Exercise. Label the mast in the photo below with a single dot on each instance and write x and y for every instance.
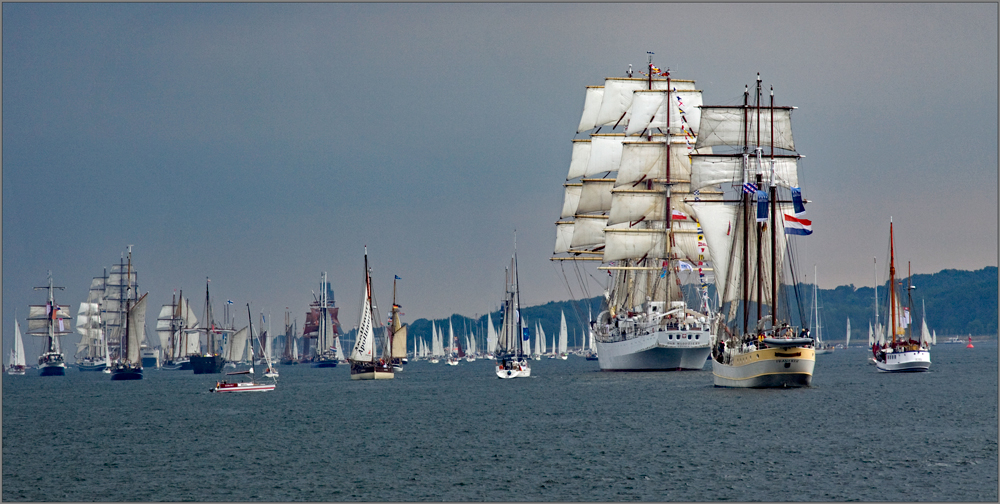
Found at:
(774, 211)
(892, 284)
(123, 349)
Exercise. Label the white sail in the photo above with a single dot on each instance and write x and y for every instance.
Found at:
(18, 358)
(564, 236)
(563, 335)
(710, 170)
(634, 243)
(925, 334)
(295, 348)
(364, 345)
(193, 345)
(718, 223)
(595, 196)
(235, 346)
(721, 125)
(934, 337)
(538, 340)
(605, 154)
(579, 159)
(634, 205)
(38, 320)
(871, 334)
(491, 335)
(617, 99)
(649, 112)
(847, 341)
(339, 355)
(588, 231)
(136, 329)
(571, 201)
(591, 105)
(451, 338)
(163, 325)
(641, 161)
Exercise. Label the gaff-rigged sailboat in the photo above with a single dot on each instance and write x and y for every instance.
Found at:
(511, 355)
(249, 383)
(756, 343)
(397, 333)
(364, 365)
(902, 352)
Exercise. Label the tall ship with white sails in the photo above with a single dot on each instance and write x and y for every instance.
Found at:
(639, 223)
(176, 328)
(50, 322)
(92, 350)
(125, 361)
(754, 162)
(322, 324)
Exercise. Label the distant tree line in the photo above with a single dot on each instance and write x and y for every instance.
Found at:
(958, 302)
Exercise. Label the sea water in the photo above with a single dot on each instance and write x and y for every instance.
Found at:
(568, 433)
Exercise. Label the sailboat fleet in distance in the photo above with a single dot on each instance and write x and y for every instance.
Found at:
(667, 196)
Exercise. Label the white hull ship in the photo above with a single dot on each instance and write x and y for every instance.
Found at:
(902, 353)
(513, 351)
(755, 343)
(364, 365)
(654, 346)
(640, 224)
(49, 321)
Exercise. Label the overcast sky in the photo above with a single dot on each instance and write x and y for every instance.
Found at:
(262, 144)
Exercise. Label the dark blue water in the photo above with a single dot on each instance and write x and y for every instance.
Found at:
(568, 433)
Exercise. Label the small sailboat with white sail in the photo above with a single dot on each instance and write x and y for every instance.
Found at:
(364, 365)
(511, 355)
(249, 382)
(17, 363)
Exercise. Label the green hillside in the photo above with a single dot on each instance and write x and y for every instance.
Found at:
(958, 303)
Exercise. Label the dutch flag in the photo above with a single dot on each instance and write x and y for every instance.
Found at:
(798, 224)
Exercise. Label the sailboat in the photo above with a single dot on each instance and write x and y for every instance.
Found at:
(397, 332)
(563, 338)
(454, 349)
(640, 224)
(126, 364)
(49, 321)
(364, 365)
(511, 357)
(211, 361)
(755, 343)
(249, 382)
(819, 345)
(902, 352)
(847, 340)
(17, 364)
(322, 324)
(91, 351)
(176, 327)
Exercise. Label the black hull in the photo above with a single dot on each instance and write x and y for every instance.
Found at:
(126, 374)
(324, 363)
(172, 366)
(52, 371)
(207, 365)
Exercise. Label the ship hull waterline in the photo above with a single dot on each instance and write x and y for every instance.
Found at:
(905, 362)
(211, 364)
(656, 352)
(767, 368)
